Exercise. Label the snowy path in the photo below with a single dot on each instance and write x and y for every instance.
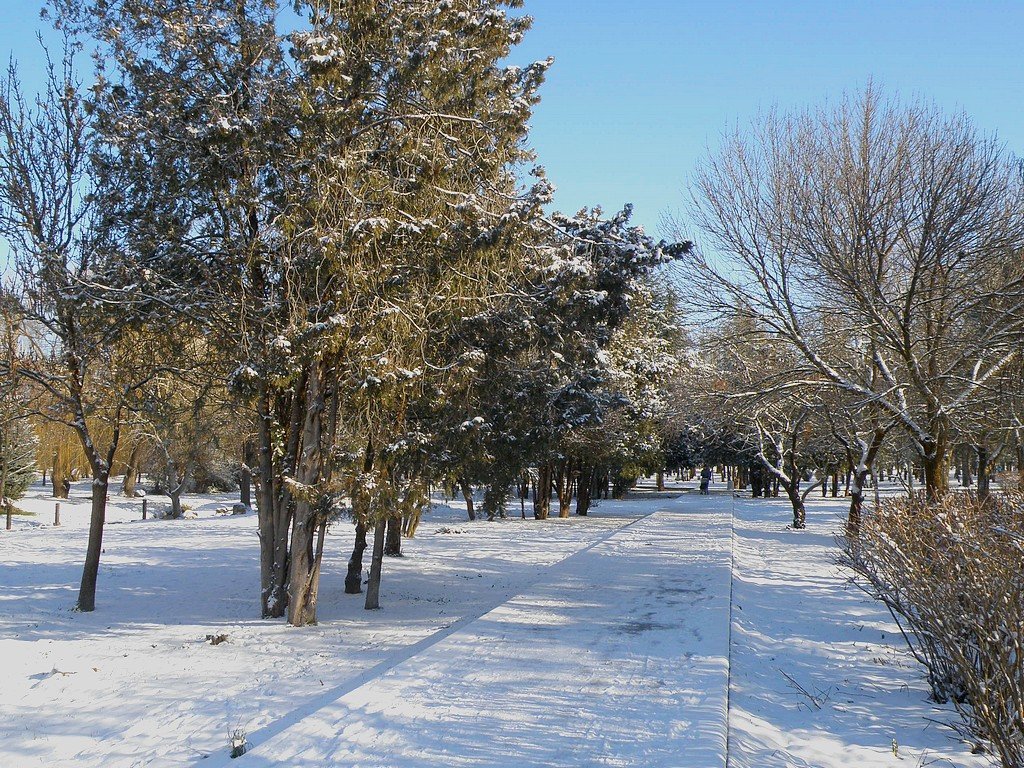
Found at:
(618, 658)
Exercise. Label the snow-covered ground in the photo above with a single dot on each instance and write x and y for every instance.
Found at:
(588, 641)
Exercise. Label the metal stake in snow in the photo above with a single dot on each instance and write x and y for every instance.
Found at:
(144, 508)
(56, 514)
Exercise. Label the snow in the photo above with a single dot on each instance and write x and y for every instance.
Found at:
(589, 641)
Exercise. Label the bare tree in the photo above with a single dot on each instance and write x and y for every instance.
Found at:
(888, 228)
(70, 349)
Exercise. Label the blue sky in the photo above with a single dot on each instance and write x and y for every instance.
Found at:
(641, 89)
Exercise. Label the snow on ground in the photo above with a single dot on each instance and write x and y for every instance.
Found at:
(821, 677)
(588, 641)
(618, 658)
(135, 682)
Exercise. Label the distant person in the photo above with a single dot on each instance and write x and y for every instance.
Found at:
(705, 481)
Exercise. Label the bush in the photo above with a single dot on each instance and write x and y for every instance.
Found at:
(950, 574)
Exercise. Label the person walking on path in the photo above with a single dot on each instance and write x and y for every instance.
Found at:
(705, 480)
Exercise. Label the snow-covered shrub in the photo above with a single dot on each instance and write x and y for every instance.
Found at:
(950, 573)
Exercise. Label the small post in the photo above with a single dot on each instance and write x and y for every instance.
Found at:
(144, 508)
(56, 514)
(10, 510)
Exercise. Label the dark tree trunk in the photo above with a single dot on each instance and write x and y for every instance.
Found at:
(965, 466)
(131, 471)
(376, 565)
(934, 460)
(756, 482)
(467, 494)
(542, 493)
(393, 538)
(984, 475)
(8, 507)
(90, 573)
(796, 500)
(245, 475)
(584, 489)
(274, 517)
(58, 477)
(936, 476)
(620, 486)
(563, 487)
(354, 577)
(661, 480)
(856, 513)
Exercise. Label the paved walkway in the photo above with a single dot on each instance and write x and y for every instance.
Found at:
(620, 658)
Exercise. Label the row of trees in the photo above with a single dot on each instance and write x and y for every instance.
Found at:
(865, 282)
(305, 239)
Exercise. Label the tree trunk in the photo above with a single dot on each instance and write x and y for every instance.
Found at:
(966, 481)
(542, 493)
(984, 475)
(620, 486)
(354, 577)
(756, 474)
(90, 573)
(304, 559)
(245, 476)
(131, 471)
(274, 521)
(8, 507)
(306, 565)
(467, 494)
(59, 475)
(3, 496)
(793, 492)
(564, 488)
(584, 489)
(175, 487)
(934, 460)
(856, 513)
(936, 476)
(660, 480)
(376, 564)
(796, 500)
(393, 539)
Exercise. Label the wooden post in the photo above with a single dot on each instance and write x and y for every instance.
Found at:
(56, 514)
(10, 510)
(144, 508)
